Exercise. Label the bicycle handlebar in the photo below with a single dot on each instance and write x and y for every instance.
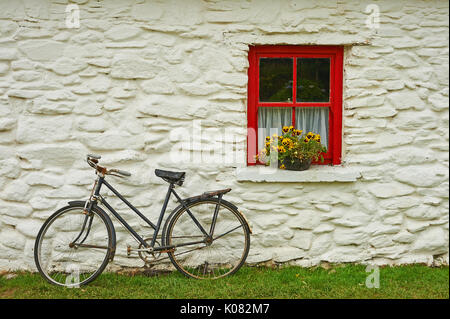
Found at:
(92, 160)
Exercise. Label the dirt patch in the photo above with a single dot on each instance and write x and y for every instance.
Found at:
(9, 293)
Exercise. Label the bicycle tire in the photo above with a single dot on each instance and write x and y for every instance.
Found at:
(110, 251)
(175, 217)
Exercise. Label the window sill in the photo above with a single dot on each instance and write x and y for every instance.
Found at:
(315, 174)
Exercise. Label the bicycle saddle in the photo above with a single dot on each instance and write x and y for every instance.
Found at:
(171, 177)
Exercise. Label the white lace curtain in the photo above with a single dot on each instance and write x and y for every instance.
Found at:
(313, 119)
(308, 119)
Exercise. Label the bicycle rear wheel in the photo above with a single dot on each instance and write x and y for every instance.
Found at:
(218, 257)
(73, 248)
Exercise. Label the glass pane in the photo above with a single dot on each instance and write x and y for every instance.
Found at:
(313, 119)
(275, 79)
(271, 120)
(313, 80)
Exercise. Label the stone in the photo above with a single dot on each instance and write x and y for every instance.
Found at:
(421, 176)
(438, 102)
(67, 192)
(323, 228)
(385, 140)
(266, 220)
(8, 54)
(9, 167)
(29, 227)
(377, 73)
(113, 140)
(403, 237)
(305, 220)
(4, 68)
(377, 228)
(24, 94)
(198, 88)
(399, 202)
(133, 68)
(41, 105)
(63, 154)
(412, 120)
(91, 124)
(381, 241)
(349, 219)
(388, 190)
(7, 124)
(406, 100)
(34, 128)
(87, 106)
(40, 202)
(122, 32)
(433, 240)
(17, 191)
(42, 50)
(404, 60)
(38, 178)
(66, 66)
(302, 239)
(284, 254)
(14, 209)
(12, 239)
(147, 11)
(414, 226)
(382, 112)
(26, 76)
(350, 236)
(423, 212)
(160, 85)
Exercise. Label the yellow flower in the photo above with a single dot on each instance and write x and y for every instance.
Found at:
(256, 157)
(267, 138)
(267, 143)
(281, 149)
(310, 135)
(285, 129)
(291, 128)
(282, 166)
(286, 141)
(298, 132)
(317, 138)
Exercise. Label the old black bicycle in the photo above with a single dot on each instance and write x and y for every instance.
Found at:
(205, 237)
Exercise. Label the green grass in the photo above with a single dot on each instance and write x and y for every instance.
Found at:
(339, 281)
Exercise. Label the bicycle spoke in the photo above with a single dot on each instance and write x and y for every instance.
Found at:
(63, 263)
(218, 257)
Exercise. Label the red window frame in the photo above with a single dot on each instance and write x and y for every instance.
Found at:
(335, 54)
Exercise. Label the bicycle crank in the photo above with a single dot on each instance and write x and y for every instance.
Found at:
(148, 256)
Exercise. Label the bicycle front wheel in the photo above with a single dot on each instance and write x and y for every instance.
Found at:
(200, 257)
(73, 248)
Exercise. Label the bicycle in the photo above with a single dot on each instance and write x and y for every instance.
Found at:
(205, 236)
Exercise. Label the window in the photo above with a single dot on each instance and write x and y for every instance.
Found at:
(299, 86)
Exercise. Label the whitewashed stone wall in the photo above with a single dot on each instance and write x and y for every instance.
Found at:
(135, 70)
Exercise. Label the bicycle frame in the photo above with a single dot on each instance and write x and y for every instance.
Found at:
(96, 195)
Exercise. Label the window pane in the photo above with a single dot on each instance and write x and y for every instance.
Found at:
(313, 80)
(275, 79)
(313, 119)
(271, 120)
